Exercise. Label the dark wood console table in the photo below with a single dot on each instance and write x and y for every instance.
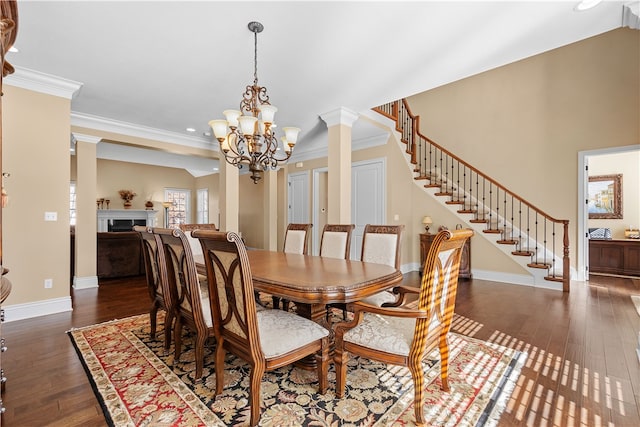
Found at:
(615, 256)
(426, 240)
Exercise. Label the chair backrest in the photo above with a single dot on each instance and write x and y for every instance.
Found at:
(151, 263)
(440, 281)
(180, 272)
(231, 288)
(196, 249)
(381, 244)
(336, 240)
(296, 239)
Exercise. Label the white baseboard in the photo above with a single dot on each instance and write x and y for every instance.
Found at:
(38, 308)
(497, 276)
(85, 282)
(412, 266)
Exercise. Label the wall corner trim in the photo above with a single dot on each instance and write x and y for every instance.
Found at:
(85, 282)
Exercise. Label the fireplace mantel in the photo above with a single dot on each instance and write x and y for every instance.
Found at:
(105, 216)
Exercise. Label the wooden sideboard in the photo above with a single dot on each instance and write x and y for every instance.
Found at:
(465, 262)
(615, 256)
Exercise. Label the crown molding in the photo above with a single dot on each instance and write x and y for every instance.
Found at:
(124, 128)
(43, 83)
(356, 145)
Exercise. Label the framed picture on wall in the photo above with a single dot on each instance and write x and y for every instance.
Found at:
(605, 197)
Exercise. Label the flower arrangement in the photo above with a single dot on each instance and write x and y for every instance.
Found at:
(127, 195)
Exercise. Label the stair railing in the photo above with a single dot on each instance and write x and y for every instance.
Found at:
(532, 232)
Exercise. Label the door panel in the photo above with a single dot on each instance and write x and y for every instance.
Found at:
(368, 199)
(299, 198)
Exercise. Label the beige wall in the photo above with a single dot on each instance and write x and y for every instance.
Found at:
(148, 182)
(627, 164)
(523, 124)
(36, 131)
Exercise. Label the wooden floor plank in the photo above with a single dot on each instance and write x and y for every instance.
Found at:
(582, 369)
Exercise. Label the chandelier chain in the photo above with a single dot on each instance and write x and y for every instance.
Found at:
(255, 58)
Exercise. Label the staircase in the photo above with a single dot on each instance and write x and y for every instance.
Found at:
(533, 238)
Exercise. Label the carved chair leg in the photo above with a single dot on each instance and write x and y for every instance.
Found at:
(220, 353)
(200, 341)
(255, 379)
(415, 366)
(168, 324)
(153, 314)
(177, 336)
(285, 304)
(276, 302)
(444, 362)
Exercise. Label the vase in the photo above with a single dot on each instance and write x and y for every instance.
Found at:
(127, 204)
(148, 205)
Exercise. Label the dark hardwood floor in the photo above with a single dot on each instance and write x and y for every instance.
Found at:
(581, 370)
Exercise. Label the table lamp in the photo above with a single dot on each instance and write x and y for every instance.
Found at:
(427, 222)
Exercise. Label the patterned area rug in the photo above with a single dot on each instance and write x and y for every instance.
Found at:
(139, 385)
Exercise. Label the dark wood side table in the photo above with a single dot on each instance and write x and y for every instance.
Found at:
(426, 240)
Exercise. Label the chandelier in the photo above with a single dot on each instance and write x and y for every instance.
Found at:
(247, 136)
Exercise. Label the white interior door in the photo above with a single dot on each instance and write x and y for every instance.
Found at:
(367, 199)
(298, 198)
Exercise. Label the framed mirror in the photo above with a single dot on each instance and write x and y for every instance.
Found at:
(605, 197)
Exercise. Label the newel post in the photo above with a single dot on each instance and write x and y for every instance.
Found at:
(566, 269)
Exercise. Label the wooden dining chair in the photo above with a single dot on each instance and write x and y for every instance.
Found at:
(161, 298)
(336, 240)
(296, 241)
(193, 307)
(402, 335)
(336, 243)
(267, 339)
(381, 244)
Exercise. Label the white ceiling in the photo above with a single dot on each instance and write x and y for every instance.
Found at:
(166, 66)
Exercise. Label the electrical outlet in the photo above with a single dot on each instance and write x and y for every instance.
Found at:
(51, 216)
(48, 283)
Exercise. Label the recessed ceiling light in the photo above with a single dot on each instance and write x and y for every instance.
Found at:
(206, 133)
(191, 130)
(587, 4)
(215, 169)
(14, 49)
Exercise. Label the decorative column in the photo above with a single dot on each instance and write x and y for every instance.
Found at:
(85, 274)
(270, 210)
(339, 123)
(229, 196)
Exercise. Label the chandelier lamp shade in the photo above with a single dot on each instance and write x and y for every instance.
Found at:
(247, 136)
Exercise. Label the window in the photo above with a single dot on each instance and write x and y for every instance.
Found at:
(72, 203)
(203, 206)
(179, 211)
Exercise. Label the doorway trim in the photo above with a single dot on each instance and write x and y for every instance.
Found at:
(582, 244)
(316, 206)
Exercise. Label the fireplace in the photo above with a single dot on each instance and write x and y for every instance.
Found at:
(115, 220)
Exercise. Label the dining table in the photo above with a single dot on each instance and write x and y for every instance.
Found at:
(312, 282)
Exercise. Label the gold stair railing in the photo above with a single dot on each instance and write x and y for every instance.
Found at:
(531, 232)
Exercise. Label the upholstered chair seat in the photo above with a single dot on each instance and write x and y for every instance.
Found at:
(282, 332)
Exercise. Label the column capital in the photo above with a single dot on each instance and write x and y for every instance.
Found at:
(340, 116)
(84, 138)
